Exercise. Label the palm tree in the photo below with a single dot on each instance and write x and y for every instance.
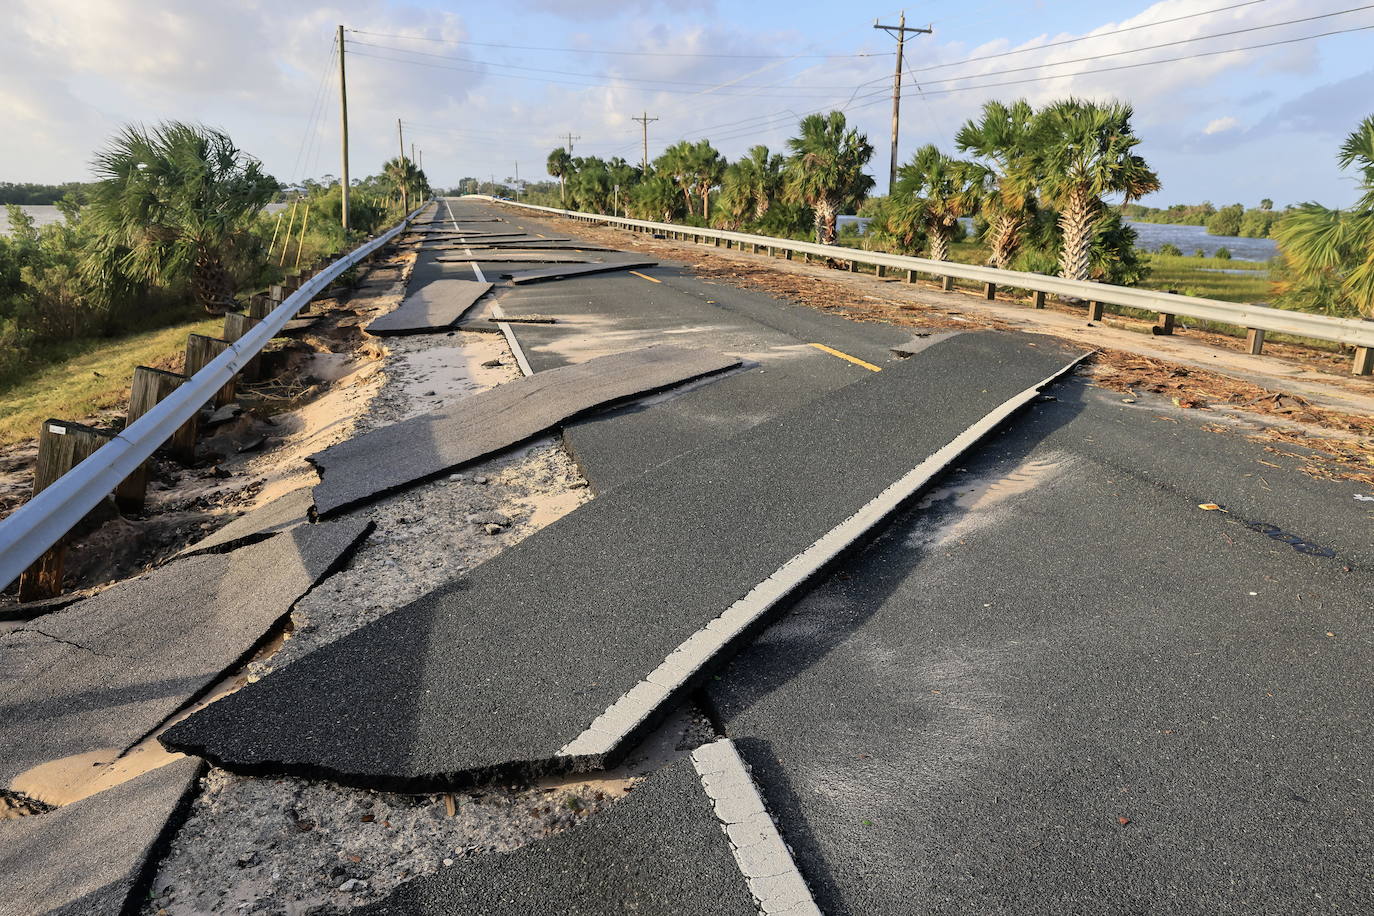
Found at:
(655, 198)
(558, 166)
(826, 170)
(933, 192)
(1331, 252)
(1083, 153)
(706, 168)
(174, 202)
(676, 164)
(751, 185)
(405, 181)
(1003, 140)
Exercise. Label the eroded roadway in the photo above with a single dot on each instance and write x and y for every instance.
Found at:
(1059, 685)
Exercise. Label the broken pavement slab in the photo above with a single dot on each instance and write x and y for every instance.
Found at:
(96, 677)
(405, 453)
(563, 273)
(436, 306)
(556, 654)
(281, 514)
(93, 856)
(515, 257)
(659, 850)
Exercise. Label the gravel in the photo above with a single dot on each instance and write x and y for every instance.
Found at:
(253, 845)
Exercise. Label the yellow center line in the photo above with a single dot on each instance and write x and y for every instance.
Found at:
(646, 277)
(540, 234)
(853, 359)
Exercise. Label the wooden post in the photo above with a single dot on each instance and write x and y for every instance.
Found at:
(236, 325)
(1364, 361)
(1038, 300)
(149, 387)
(61, 447)
(853, 267)
(880, 271)
(1166, 324)
(989, 291)
(1094, 310)
(260, 305)
(1254, 340)
(788, 254)
(200, 351)
(947, 284)
(911, 276)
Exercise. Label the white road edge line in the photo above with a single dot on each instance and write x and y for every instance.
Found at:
(506, 330)
(632, 710)
(763, 858)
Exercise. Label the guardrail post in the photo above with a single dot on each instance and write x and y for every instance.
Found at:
(989, 291)
(1094, 310)
(1166, 324)
(911, 276)
(880, 271)
(1038, 299)
(1364, 361)
(260, 305)
(236, 324)
(200, 351)
(150, 386)
(61, 446)
(1254, 340)
(947, 284)
(853, 267)
(788, 254)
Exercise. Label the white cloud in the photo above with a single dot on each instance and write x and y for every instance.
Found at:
(1221, 125)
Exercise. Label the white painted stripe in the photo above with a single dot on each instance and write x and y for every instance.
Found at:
(763, 858)
(506, 330)
(608, 730)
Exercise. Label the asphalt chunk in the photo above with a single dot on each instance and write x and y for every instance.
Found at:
(104, 672)
(93, 856)
(423, 447)
(564, 273)
(494, 674)
(281, 514)
(659, 850)
(436, 306)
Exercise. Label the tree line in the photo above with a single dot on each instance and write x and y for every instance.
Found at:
(174, 224)
(1035, 183)
(1234, 220)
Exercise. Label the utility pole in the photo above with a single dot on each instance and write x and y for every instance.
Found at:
(517, 181)
(400, 139)
(343, 123)
(645, 121)
(899, 32)
(571, 138)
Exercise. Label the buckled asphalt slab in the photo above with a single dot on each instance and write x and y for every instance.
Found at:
(497, 674)
(436, 306)
(565, 273)
(1061, 686)
(281, 514)
(484, 256)
(103, 673)
(91, 857)
(660, 850)
(423, 447)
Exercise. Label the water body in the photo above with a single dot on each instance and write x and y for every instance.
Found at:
(1150, 236)
(42, 215)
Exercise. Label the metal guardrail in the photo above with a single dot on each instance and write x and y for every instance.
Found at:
(1346, 331)
(41, 522)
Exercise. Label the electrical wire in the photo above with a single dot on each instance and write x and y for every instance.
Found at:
(1069, 41)
(315, 108)
(612, 51)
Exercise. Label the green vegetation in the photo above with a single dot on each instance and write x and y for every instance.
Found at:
(84, 376)
(174, 227)
(34, 195)
(1327, 256)
(825, 171)
(1233, 220)
(1244, 281)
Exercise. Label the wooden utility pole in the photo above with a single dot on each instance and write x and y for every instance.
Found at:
(899, 32)
(571, 138)
(343, 123)
(644, 120)
(400, 138)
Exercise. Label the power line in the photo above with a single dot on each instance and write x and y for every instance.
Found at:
(488, 44)
(1069, 41)
(301, 159)
(1166, 44)
(592, 76)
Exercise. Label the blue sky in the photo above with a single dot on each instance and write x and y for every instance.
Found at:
(1226, 127)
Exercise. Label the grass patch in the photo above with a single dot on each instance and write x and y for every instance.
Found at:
(1199, 277)
(87, 376)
